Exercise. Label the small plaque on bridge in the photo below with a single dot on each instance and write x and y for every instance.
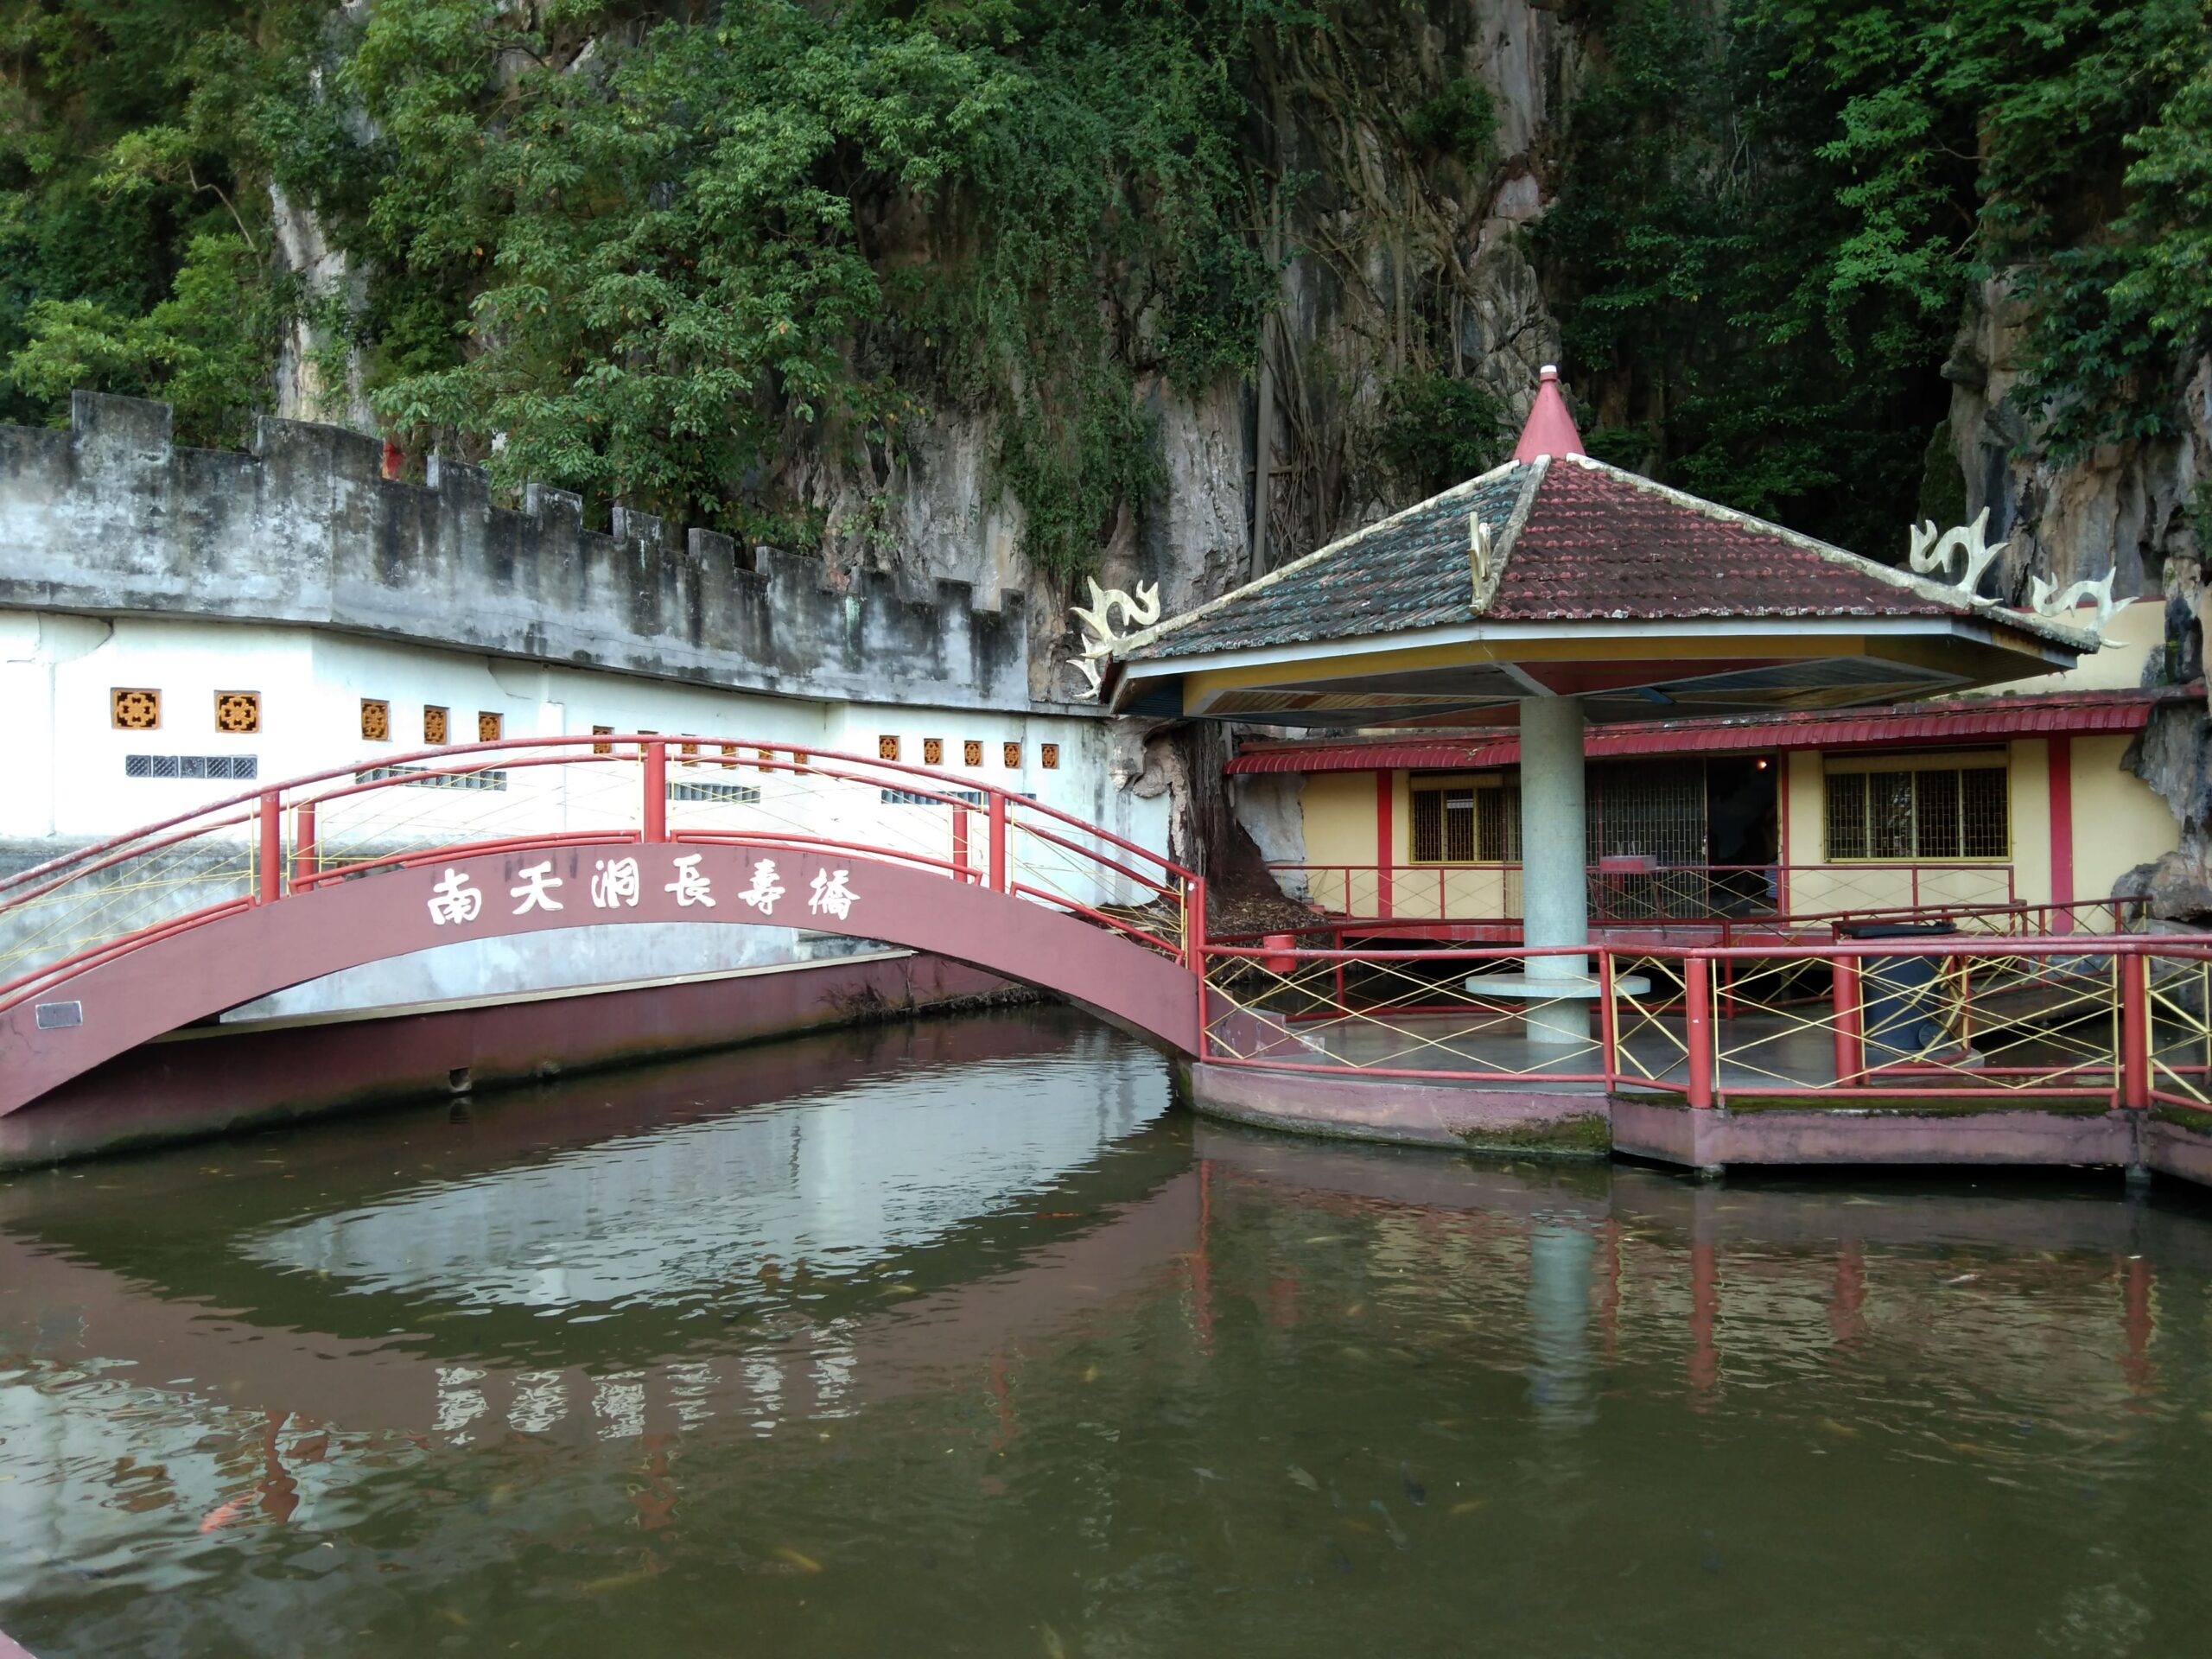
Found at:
(58, 1016)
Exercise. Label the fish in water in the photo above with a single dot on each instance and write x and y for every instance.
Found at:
(1842, 1431)
(1336, 1498)
(1397, 1533)
(1304, 1479)
(1338, 1559)
(222, 1514)
(785, 1553)
(1709, 1556)
(1054, 1648)
(1415, 1490)
(1963, 1279)
(617, 1581)
(1470, 1506)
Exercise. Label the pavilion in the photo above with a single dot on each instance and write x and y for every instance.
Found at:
(1556, 590)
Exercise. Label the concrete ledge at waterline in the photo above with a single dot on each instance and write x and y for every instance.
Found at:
(213, 1080)
(1839, 1135)
(1406, 1111)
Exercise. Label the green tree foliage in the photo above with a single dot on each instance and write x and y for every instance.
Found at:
(1775, 218)
(653, 252)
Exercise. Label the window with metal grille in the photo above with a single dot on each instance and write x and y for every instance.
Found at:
(376, 719)
(1651, 809)
(887, 749)
(238, 711)
(434, 723)
(932, 751)
(134, 709)
(488, 726)
(1048, 756)
(1466, 820)
(602, 748)
(971, 752)
(1014, 757)
(1900, 808)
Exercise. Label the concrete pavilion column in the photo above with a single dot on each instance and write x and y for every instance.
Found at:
(1554, 881)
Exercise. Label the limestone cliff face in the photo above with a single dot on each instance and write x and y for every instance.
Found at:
(2121, 508)
(1396, 261)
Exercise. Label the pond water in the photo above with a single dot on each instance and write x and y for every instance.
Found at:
(961, 1338)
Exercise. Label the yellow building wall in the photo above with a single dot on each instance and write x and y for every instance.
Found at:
(1803, 808)
(1339, 822)
(2119, 821)
(2028, 764)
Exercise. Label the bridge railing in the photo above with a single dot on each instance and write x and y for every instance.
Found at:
(262, 845)
(2083, 1021)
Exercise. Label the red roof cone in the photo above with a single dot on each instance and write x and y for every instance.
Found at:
(1551, 430)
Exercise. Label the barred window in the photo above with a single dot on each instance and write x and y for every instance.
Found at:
(1886, 810)
(1466, 820)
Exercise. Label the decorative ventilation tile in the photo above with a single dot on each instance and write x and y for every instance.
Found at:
(765, 756)
(192, 766)
(428, 777)
(887, 749)
(935, 798)
(971, 753)
(729, 754)
(932, 751)
(238, 711)
(1014, 757)
(1049, 755)
(488, 726)
(376, 719)
(435, 724)
(685, 789)
(689, 750)
(602, 748)
(134, 710)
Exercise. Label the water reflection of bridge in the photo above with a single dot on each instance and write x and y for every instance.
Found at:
(400, 1338)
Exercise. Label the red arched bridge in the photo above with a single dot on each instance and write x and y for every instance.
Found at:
(118, 943)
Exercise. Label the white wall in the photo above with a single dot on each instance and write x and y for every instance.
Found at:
(58, 672)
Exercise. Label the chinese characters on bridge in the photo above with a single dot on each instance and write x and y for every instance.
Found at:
(619, 884)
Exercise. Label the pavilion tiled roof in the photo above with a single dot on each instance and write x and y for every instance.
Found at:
(1571, 538)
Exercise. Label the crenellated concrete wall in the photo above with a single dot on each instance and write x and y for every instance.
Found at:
(110, 517)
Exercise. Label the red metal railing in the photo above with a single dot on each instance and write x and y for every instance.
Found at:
(263, 845)
(2121, 1020)
(1635, 890)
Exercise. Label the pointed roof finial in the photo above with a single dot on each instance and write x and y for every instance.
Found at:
(1550, 431)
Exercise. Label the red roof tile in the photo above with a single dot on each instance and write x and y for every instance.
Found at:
(1601, 542)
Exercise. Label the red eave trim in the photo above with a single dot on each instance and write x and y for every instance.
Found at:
(1905, 725)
